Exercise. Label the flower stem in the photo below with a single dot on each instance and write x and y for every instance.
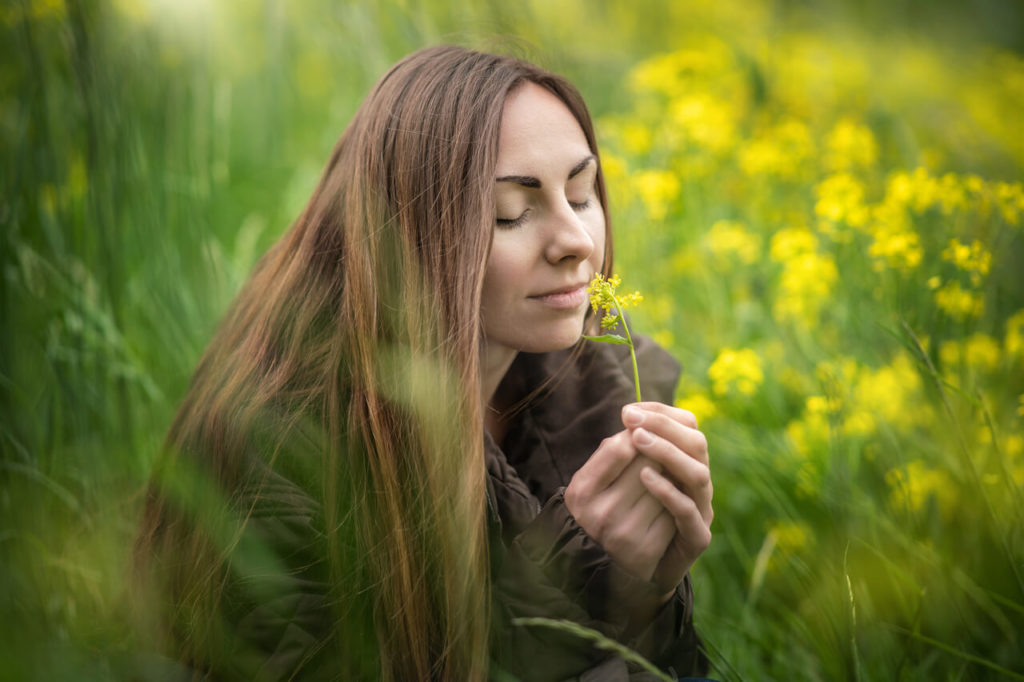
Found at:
(632, 350)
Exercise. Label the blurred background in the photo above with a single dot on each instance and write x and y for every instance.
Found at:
(820, 201)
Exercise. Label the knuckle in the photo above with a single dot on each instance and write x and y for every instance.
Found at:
(687, 418)
(701, 442)
(614, 539)
(571, 495)
(705, 540)
(701, 480)
(603, 522)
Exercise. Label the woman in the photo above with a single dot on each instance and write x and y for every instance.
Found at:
(394, 447)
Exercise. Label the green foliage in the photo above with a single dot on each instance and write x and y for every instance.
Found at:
(823, 204)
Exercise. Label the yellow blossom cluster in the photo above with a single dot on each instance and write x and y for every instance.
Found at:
(699, 403)
(790, 537)
(736, 371)
(841, 199)
(785, 539)
(972, 258)
(978, 352)
(657, 190)
(855, 401)
(847, 298)
(915, 484)
(730, 240)
(1010, 200)
(807, 277)
(782, 150)
(603, 297)
(850, 145)
(957, 302)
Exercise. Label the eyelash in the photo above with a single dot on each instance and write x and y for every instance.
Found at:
(513, 222)
(516, 222)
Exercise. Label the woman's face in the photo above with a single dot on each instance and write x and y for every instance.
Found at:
(549, 231)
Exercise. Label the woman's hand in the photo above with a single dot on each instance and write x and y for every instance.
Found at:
(645, 494)
(611, 503)
(681, 482)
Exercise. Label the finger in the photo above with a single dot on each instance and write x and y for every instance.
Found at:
(693, 527)
(689, 440)
(640, 538)
(684, 417)
(607, 463)
(606, 508)
(693, 477)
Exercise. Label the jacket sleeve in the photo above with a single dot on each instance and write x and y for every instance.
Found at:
(551, 568)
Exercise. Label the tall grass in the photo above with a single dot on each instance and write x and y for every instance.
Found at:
(788, 182)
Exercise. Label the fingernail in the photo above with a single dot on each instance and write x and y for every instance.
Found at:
(631, 416)
(642, 437)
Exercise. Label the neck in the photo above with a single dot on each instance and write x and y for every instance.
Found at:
(494, 365)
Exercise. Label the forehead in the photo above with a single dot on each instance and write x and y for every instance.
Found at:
(536, 126)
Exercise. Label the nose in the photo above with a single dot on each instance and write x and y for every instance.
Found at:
(568, 237)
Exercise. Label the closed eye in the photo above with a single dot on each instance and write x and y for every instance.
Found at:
(513, 222)
(580, 205)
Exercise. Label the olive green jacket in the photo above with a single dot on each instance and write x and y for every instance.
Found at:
(543, 563)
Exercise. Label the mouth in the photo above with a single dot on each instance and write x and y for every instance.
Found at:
(565, 298)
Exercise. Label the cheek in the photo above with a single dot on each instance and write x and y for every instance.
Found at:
(598, 234)
(499, 274)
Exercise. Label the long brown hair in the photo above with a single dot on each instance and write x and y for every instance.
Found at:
(359, 332)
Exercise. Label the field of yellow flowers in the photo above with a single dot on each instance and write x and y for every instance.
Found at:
(821, 202)
(842, 231)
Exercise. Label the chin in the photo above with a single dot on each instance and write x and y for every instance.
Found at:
(555, 339)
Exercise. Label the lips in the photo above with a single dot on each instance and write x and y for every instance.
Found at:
(568, 289)
(568, 298)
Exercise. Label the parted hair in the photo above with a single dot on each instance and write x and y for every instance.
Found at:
(362, 326)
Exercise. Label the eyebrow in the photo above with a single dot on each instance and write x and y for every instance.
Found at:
(534, 183)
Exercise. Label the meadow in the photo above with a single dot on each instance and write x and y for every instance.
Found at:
(822, 206)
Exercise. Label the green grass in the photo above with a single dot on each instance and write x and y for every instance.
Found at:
(865, 437)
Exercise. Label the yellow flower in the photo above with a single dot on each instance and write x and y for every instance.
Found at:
(952, 195)
(657, 189)
(900, 250)
(636, 138)
(1014, 341)
(602, 296)
(791, 242)
(704, 120)
(918, 190)
(1010, 200)
(841, 199)
(914, 484)
(973, 257)
(850, 145)
(981, 352)
(957, 302)
(950, 353)
(804, 287)
(782, 151)
(891, 393)
(729, 239)
(699, 403)
(790, 537)
(736, 370)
